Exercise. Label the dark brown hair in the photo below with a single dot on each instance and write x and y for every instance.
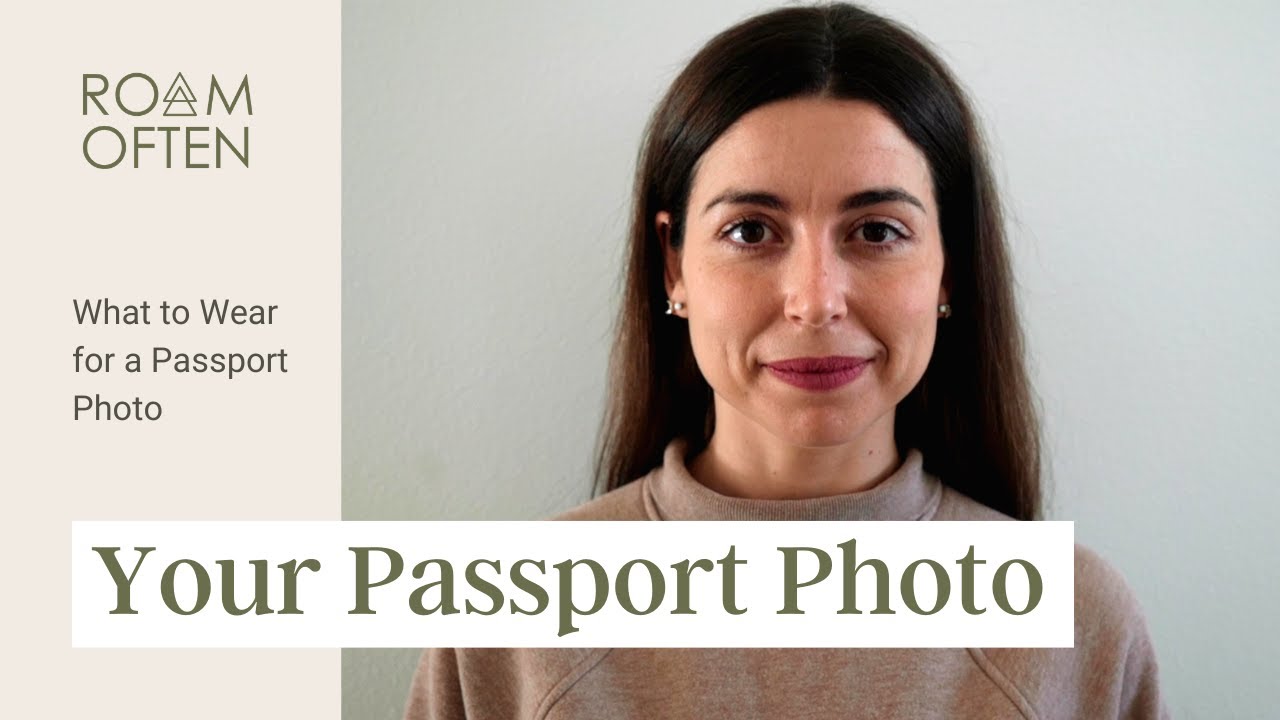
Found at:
(972, 413)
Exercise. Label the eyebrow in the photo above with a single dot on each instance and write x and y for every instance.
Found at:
(874, 196)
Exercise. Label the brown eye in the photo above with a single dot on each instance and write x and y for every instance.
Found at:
(879, 233)
(748, 232)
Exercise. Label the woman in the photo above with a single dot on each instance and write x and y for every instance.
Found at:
(818, 323)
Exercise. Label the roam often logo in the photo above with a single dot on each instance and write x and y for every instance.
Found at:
(168, 140)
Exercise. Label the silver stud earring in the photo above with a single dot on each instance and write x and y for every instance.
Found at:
(944, 310)
(671, 308)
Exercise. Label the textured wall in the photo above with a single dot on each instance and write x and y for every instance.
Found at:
(488, 151)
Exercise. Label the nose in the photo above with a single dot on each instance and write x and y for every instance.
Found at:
(815, 283)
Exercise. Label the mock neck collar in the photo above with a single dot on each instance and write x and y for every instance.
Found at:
(672, 493)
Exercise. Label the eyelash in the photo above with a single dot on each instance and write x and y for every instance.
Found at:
(887, 246)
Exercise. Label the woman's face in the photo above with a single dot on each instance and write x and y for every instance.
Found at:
(811, 232)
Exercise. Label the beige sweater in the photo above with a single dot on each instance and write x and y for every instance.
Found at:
(1110, 673)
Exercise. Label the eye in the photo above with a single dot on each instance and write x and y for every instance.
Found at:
(747, 232)
(878, 232)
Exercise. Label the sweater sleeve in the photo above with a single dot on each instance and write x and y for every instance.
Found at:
(436, 692)
(1140, 697)
(495, 683)
(1105, 598)
(1111, 673)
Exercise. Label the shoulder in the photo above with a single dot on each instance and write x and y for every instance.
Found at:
(1111, 670)
(624, 503)
(1102, 596)
(1100, 585)
(495, 682)
(1103, 599)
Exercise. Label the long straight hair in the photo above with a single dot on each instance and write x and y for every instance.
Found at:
(972, 413)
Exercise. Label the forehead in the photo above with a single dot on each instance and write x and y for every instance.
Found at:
(813, 150)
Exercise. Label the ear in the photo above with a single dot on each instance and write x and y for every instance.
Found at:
(673, 279)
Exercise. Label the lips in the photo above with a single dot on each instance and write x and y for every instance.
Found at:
(826, 373)
(834, 363)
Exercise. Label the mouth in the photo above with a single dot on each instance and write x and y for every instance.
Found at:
(823, 373)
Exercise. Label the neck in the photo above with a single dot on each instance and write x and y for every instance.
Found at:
(746, 461)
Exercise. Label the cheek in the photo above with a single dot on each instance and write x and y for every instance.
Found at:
(728, 307)
(904, 310)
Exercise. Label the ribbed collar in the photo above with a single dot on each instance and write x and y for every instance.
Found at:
(671, 493)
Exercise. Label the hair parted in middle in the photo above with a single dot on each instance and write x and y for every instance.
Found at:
(972, 414)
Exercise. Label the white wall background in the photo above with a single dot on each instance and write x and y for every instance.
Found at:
(488, 152)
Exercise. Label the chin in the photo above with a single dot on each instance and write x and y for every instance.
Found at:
(814, 429)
